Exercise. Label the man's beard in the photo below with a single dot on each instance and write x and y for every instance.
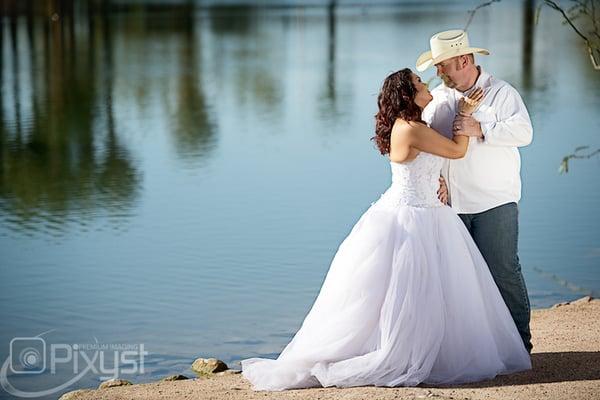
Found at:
(447, 81)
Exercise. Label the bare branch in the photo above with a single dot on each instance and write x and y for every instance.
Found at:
(558, 8)
(569, 20)
(564, 165)
(473, 11)
(594, 19)
(580, 6)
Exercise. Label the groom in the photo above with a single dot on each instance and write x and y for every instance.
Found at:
(484, 187)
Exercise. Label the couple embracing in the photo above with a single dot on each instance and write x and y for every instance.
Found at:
(427, 287)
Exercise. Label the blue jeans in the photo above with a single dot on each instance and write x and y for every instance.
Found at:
(496, 232)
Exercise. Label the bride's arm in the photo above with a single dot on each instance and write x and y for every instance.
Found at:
(423, 138)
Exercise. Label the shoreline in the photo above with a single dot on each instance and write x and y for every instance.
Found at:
(565, 358)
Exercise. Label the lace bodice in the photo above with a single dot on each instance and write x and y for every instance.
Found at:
(415, 183)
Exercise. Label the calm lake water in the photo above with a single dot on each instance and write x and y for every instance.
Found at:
(181, 176)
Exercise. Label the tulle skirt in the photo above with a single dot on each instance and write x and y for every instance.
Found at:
(408, 299)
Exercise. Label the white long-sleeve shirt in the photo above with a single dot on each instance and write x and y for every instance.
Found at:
(489, 174)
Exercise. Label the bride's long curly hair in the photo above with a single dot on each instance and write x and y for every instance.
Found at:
(396, 100)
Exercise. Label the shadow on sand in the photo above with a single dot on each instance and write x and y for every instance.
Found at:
(551, 367)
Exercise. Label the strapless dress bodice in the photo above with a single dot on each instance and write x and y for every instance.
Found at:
(415, 183)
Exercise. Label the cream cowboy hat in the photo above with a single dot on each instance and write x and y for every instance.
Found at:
(445, 45)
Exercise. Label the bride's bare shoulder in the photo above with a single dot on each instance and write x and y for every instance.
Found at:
(403, 127)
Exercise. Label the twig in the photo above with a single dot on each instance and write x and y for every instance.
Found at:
(592, 49)
(587, 41)
(473, 11)
(564, 165)
(558, 8)
(594, 20)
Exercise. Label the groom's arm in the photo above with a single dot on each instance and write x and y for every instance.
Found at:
(513, 125)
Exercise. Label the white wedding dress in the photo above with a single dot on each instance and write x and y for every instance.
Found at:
(408, 299)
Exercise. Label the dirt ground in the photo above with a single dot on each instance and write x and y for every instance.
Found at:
(566, 365)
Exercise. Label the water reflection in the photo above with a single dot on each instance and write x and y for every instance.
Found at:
(255, 56)
(528, 38)
(233, 20)
(61, 157)
(330, 94)
(65, 158)
(70, 71)
(194, 130)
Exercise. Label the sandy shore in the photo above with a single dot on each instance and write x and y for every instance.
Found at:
(566, 365)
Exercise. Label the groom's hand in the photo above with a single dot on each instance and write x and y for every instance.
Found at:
(466, 125)
(443, 191)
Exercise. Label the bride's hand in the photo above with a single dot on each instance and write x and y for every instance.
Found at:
(467, 105)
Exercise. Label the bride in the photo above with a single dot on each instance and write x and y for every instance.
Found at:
(408, 297)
